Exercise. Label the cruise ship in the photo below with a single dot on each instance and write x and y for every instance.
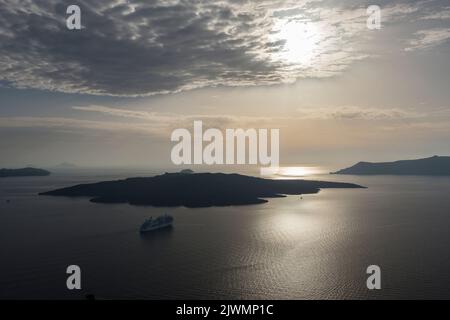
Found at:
(160, 222)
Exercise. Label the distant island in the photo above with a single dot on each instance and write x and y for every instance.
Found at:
(194, 190)
(65, 165)
(435, 166)
(25, 172)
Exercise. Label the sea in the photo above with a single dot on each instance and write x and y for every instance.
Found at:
(300, 247)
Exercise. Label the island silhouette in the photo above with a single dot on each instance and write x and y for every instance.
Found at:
(435, 166)
(194, 190)
(24, 172)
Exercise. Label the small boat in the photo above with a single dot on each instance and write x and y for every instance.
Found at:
(164, 221)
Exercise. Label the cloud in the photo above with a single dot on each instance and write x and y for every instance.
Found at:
(117, 112)
(429, 38)
(67, 124)
(441, 15)
(169, 121)
(158, 126)
(357, 113)
(173, 120)
(155, 124)
(137, 48)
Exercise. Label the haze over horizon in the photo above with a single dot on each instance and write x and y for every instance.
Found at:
(111, 93)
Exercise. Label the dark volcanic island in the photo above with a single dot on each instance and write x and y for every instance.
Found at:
(194, 190)
(25, 172)
(434, 166)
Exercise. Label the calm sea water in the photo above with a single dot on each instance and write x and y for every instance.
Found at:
(317, 247)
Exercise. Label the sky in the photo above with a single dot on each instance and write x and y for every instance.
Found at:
(111, 93)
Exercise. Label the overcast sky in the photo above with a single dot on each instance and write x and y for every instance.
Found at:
(112, 92)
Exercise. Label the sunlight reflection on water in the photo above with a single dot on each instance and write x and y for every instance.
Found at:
(295, 172)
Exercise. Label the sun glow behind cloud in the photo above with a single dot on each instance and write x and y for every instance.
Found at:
(301, 41)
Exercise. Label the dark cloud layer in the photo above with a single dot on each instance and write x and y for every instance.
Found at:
(130, 48)
(145, 47)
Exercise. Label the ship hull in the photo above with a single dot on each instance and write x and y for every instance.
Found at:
(154, 228)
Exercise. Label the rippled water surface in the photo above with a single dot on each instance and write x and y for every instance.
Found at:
(317, 246)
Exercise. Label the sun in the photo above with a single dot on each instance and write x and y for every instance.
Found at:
(290, 172)
(301, 41)
(297, 171)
